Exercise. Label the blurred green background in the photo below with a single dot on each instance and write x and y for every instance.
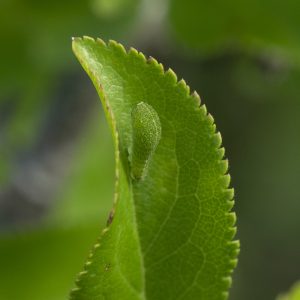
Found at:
(56, 153)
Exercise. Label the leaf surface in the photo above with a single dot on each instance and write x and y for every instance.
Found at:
(169, 235)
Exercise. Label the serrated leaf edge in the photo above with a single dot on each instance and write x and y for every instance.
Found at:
(194, 96)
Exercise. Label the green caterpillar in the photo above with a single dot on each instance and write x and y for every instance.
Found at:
(146, 133)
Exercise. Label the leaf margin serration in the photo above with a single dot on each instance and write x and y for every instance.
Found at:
(169, 74)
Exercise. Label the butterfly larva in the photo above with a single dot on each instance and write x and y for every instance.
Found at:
(146, 133)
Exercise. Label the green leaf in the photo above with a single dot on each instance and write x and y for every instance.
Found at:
(293, 294)
(169, 235)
